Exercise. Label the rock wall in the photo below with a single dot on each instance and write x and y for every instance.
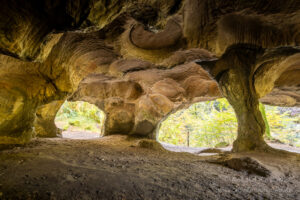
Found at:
(136, 60)
(44, 124)
(136, 101)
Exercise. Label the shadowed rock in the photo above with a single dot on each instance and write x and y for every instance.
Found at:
(135, 60)
(244, 164)
(148, 40)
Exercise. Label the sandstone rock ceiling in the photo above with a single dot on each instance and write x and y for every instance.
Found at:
(137, 59)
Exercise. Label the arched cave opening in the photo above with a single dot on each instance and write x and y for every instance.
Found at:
(213, 124)
(80, 120)
(283, 127)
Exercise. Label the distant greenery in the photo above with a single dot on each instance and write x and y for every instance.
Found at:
(284, 124)
(206, 124)
(80, 116)
(214, 124)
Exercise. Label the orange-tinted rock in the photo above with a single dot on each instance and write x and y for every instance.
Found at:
(44, 125)
(136, 60)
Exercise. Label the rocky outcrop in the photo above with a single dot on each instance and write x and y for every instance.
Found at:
(149, 40)
(25, 86)
(245, 73)
(283, 96)
(136, 101)
(17, 107)
(136, 60)
(219, 24)
(44, 124)
(247, 164)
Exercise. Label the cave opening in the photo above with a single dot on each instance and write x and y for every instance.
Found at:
(213, 124)
(80, 120)
(283, 126)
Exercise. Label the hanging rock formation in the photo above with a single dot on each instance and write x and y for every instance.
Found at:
(136, 60)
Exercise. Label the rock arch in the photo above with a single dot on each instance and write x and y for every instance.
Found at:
(51, 51)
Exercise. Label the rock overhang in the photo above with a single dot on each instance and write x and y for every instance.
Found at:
(137, 65)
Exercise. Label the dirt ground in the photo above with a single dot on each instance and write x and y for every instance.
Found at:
(196, 150)
(116, 167)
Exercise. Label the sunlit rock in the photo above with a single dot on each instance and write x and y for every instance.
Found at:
(136, 60)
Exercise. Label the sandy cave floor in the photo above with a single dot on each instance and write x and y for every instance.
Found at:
(117, 168)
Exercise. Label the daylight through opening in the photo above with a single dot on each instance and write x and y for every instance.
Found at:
(80, 120)
(213, 124)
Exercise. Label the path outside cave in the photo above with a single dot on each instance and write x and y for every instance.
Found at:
(77, 135)
(116, 167)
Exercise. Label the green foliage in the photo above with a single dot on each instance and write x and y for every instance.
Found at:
(263, 113)
(284, 125)
(208, 124)
(66, 127)
(82, 115)
(214, 124)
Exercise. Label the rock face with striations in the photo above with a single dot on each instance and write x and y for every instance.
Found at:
(137, 61)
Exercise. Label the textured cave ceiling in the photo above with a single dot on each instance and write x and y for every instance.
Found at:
(137, 59)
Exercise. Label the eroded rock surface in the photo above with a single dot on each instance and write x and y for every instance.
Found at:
(244, 164)
(135, 60)
(44, 124)
(245, 73)
(136, 101)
